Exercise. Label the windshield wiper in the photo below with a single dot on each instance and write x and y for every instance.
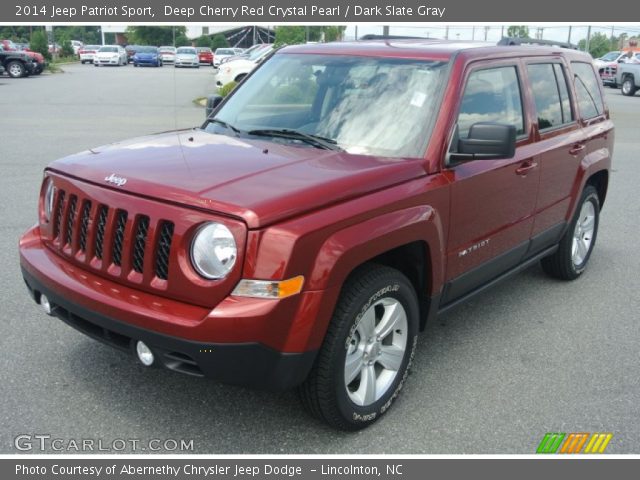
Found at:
(315, 140)
(226, 125)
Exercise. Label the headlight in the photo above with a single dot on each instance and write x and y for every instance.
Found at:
(213, 251)
(49, 194)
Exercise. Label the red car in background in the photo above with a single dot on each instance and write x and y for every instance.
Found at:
(9, 46)
(205, 55)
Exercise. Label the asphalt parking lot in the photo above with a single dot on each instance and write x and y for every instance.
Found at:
(531, 356)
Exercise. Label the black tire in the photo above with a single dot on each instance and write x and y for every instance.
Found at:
(15, 69)
(628, 87)
(561, 264)
(324, 393)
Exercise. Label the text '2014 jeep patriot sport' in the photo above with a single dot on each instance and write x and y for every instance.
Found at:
(342, 195)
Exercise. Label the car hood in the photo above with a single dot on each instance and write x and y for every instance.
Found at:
(186, 56)
(146, 55)
(258, 181)
(107, 54)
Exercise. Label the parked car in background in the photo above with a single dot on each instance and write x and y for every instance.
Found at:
(17, 64)
(131, 51)
(607, 66)
(147, 56)
(110, 55)
(205, 55)
(245, 53)
(39, 60)
(87, 53)
(236, 70)
(76, 45)
(629, 78)
(221, 53)
(187, 57)
(168, 54)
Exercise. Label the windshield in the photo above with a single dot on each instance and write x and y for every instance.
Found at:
(167, 49)
(146, 50)
(225, 51)
(610, 57)
(375, 106)
(109, 49)
(187, 50)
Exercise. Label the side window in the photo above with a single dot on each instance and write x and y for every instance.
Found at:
(561, 78)
(491, 95)
(587, 90)
(550, 94)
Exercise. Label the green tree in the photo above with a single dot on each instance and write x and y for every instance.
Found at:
(518, 31)
(219, 41)
(39, 43)
(182, 41)
(203, 41)
(155, 35)
(599, 44)
(286, 35)
(66, 49)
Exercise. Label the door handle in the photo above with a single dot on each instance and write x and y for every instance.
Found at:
(576, 149)
(525, 168)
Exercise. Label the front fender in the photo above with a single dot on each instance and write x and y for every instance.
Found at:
(346, 249)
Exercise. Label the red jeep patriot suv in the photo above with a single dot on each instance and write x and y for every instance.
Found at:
(342, 196)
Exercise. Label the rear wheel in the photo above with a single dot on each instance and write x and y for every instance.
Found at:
(575, 248)
(628, 87)
(367, 350)
(16, 69)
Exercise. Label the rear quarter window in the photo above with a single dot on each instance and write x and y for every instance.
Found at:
(590, 103)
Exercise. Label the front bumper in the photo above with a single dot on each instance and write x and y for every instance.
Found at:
(185, 338)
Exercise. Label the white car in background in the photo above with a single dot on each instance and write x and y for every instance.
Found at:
(88, 52)
(77, 46)
(222, 53)
(187, 57)
(168, 54)
(236, 70)
(110, 55)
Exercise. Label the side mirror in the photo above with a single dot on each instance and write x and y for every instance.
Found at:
(487, 141)
(212, 102)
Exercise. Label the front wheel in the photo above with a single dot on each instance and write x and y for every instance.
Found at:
(629, 87)
(16, 69)
(367, 351)
(574, 250)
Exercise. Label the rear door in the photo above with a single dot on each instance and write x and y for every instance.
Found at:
(561, 147)
(492, 201)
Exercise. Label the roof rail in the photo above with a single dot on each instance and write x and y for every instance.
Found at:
(535, 41)
(372, 36)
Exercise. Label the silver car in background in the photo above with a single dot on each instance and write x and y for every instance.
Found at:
(187, 57)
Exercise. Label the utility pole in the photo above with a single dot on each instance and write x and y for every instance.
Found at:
(569, 37)
(486, 32)
(588, 39)
(356, 32)
(473, 33)
(502, 32)
(446, 32)
(385, 30)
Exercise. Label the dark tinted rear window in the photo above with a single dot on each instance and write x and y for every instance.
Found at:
(590, 101)
(550, 94)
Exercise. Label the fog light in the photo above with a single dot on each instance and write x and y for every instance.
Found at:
(45, 304)
(145, 355)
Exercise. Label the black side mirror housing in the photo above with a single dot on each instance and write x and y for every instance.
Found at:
(487, 141)
(212, 102)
